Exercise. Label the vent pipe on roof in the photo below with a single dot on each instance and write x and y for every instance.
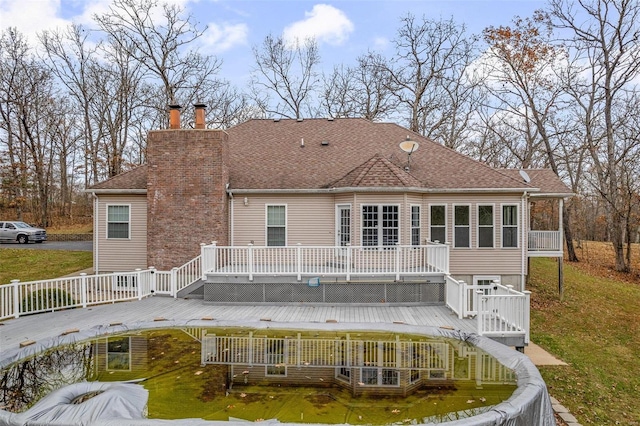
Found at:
(174, 116)
(200, 121)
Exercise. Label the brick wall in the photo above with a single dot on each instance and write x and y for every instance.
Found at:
(186, 194)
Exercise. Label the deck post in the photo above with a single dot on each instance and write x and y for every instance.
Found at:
(299, 261)
(139, 282)
(397, 262)
(479, 300)
(203, 261)
(462, 300)
(174, 282)
(349, 257)
(250, 261)
(16, 298)
(527, 315)
(83, 288)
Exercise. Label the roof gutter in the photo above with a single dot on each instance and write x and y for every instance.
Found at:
(117, 191)
(380, 189)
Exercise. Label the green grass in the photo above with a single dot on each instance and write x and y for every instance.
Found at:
(595, 329)
(32, 265)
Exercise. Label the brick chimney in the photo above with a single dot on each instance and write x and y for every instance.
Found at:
(174, 116)
(186, 193)
(200, 111)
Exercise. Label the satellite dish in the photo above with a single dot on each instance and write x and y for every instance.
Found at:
(409, 146)
(525, 176)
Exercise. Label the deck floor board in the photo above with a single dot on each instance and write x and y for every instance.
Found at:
(50, 324)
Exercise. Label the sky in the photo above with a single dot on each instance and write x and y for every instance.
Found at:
(344, 29)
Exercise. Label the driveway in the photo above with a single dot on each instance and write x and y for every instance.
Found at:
(52, 245)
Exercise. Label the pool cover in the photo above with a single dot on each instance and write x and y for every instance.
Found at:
(124, 403)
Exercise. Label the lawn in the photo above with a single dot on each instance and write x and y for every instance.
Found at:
(31, 265)
(595, 329)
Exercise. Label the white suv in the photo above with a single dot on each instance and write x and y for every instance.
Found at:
(21, 232)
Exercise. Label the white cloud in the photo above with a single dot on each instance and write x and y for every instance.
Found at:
(222, 37)
(32, 17)
(380, 43)
(325, 23)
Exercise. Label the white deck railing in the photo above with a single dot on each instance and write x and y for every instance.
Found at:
(504, 312)
(21, 298)
(345, 261)
(545, 241)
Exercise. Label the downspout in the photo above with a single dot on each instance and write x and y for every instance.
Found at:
(525, 242)
(230, 217)
(96, 266)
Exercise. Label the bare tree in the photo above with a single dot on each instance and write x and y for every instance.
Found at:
(428, 75)
(521, 62)
(163, 47)
(605, 38)
(289, 73)
(359, 91)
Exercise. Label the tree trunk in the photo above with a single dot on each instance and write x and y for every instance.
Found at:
(568, 236)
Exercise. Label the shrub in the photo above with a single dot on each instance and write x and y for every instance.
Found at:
(46, 299)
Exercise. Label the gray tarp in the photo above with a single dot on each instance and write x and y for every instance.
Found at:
(529, 405)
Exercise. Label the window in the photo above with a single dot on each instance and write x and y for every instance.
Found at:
(485, 226)
(380, 225)
(379, 376)
(415, 225)
(119, 353)
(510, 226)
(438, 221)
(118, 221)
(462, 226)
(276, 225)
(344, 225)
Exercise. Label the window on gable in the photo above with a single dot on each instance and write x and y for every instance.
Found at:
(485, 226)
(276, 225)
(415, 225)
(118, 218)
(380, 225)
(462, 229)
(438, 224)
(510, 226)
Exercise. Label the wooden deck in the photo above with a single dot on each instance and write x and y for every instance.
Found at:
(51, 324)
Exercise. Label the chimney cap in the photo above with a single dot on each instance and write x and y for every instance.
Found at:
(199, 105)
(175, 106)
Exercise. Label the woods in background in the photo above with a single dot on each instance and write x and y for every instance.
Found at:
(557, 90)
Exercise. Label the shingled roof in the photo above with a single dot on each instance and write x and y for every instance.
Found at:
(348, 153)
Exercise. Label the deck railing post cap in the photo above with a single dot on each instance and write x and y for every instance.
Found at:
(138, 269)
(83, 274)
(175, 268)
(15, 281)
(152, 267)
(203, 244)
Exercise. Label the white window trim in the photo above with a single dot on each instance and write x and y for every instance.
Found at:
(517, 206)
(338, 224)
(411, 227)
(454, 226)
(266, 223)
(477, 278)
(446, 221)
(478, 226)
(380, 205)
(106, 220)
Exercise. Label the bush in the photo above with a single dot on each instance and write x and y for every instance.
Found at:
(47, 299)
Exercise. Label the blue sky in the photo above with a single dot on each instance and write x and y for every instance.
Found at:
(344, 28)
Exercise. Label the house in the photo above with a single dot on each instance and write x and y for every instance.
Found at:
(381, 213)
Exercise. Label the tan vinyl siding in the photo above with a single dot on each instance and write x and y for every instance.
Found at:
(310, 219)
(119, 255)
(474, 260)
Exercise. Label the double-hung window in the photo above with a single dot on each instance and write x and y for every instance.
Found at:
(380, 225)
(276, 225)
(485, 226)
(415, 225)
(510, 226)
(462, 226)
(438, 223)
(118, 221)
